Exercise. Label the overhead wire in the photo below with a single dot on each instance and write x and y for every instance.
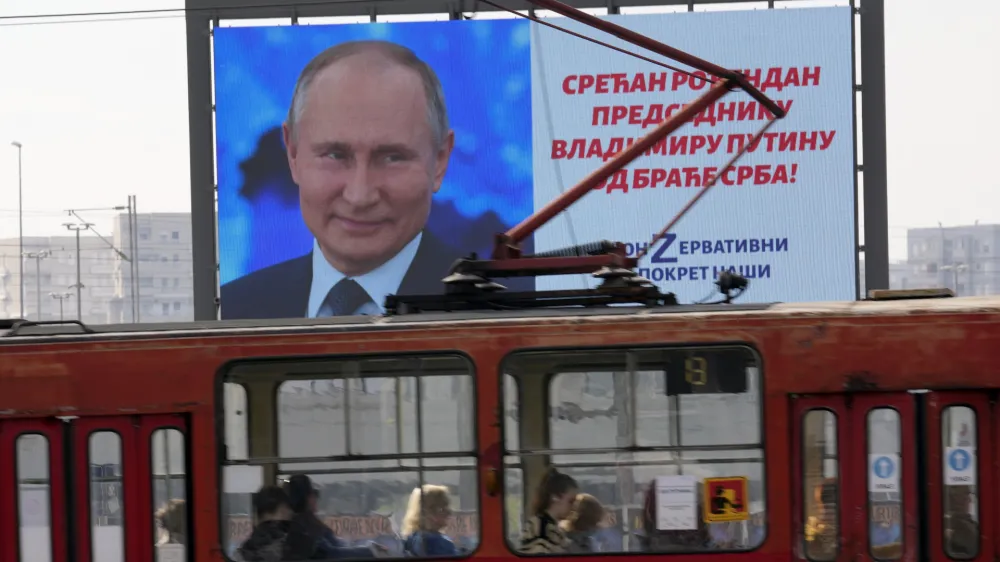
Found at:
(181, 12)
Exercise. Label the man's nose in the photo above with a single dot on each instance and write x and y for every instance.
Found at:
(361, 189)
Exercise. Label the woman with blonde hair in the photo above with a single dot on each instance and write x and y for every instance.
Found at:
(584, 520)
(427, 514)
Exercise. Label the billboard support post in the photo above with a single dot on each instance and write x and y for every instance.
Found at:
(876, 198)
(204, 251)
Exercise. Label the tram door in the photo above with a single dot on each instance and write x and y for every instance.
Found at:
(87, 488)
(894, 476)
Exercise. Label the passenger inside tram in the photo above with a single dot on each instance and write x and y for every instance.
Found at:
(552, 503)
(654, 540)
(821, 523)
(961, 530)
(268, 540)
(427, 514)
(307, 527)
(583, 523)
(171, 520)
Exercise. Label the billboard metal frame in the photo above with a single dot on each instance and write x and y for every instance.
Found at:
(202, 16)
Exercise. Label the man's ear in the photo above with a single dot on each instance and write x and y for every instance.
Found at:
(442, 159)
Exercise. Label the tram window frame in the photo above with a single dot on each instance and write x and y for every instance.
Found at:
(512, 460)
(945, 488)
(835, 460)
(416, 366)
(123, 466)
(163, 509)
(868, 477)
(21, 551)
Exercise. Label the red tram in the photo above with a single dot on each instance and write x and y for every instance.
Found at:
(807, 403)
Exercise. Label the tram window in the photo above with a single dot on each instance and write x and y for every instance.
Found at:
(367, 432)
(107, 535)
(821, 484)
(33, 498)
(885, 505)
(169, 482)
(694, 411)
(961, 492)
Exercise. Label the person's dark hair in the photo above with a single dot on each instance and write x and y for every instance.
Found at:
(268, 500)
(300, 489)
(554, 483)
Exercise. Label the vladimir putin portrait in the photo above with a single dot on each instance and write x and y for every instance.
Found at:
(368, 143)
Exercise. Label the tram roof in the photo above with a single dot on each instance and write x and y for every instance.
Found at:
(69, 331)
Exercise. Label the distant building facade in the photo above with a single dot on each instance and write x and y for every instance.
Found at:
(163, 291)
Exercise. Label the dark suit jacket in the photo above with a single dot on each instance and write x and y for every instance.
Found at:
(282, 290)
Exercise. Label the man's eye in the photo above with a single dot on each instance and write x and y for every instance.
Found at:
(395, 157)
(336, 156)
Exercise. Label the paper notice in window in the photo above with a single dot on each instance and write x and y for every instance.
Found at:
(676, 503)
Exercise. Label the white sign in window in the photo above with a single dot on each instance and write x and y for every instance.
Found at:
(676, 503)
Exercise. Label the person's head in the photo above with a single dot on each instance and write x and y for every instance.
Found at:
(368, 144)
(302, 495)
(428, 511)
(555, 495)
(585, 516)
(173, 520)
(270, 503)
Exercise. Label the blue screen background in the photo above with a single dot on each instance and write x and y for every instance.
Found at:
(485, 70)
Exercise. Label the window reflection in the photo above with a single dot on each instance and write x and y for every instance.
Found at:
(960, 464)
(34, 498)
(885, 509)
(821, 485)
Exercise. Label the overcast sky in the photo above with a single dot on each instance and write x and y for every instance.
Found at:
(101, 109)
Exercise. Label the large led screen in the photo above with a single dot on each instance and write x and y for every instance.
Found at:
(411, 144)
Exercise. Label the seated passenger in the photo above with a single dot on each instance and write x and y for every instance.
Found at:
(552, 503)
(655, 540)
(172, 522)
(961, 530)
(309, 534)
(267, 541)
(426, 516)
(583, 522)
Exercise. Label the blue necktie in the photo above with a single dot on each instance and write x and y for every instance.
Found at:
(344, 299)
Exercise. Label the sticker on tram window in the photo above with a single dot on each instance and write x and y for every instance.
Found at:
(960, 466)
(708, 371)
(883, 473)
(726, 499)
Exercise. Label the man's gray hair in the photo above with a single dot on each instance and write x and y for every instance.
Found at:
(437, 113)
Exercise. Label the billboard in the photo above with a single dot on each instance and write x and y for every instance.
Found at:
(367, 184)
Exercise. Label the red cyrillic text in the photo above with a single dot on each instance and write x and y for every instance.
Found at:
(774, 78)
(654, 114)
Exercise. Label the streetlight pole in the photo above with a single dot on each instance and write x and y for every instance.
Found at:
(60, 297)
(79, 285)
(38, 257)
(20, 225)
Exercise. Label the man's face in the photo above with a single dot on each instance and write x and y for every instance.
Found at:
(365, 160)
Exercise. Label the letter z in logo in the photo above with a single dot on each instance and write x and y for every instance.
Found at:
(658, 257)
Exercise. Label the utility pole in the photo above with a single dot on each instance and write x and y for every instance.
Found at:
(133, 231)
(60, 297)
(79, 285)
(38, 257)
(20, 226)
(121, 255)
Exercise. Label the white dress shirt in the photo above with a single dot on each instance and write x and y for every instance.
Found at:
(378, 283)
